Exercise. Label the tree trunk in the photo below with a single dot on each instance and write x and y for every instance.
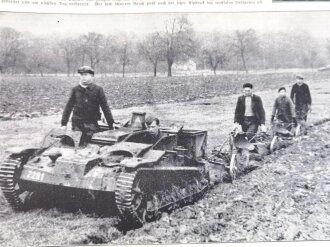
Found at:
(40, 71)
(124, 69)
(244, 63)
(92, 63)
(68, 67)
(155, 69)
(169, 68)
(82, 60)
(214, 68)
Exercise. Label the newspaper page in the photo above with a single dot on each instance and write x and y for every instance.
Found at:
(149, 6)
(126, 122)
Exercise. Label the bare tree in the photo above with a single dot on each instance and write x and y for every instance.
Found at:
(38, 55)
(93, 48)
(11, 49)
(312, 58)
(109, 52)
(151, 48)
(245, 42)
(179, 41)
(69, 48)
(307, 50)
(216, 50)
(123, 53)
(278, 50)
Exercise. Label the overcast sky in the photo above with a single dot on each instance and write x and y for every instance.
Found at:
(316, 23)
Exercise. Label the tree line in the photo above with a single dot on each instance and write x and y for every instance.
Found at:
(158, 51)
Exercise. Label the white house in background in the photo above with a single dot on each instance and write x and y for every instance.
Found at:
(189, 65)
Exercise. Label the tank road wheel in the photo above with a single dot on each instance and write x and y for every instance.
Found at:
(153, 206)
(139, 203)
(135, 206)
(8, 183)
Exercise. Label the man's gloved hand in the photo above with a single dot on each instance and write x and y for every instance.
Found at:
(263, 128)
(237, 128)
(272, 119)
(63, 127)
(294, 122)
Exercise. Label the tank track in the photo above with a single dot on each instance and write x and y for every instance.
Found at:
(137, 206)
(124, 196)
(8, 170)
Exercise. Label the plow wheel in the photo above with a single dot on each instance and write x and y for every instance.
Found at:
(233, 166)
(8, 183)
(298, 130)
(237, 163)
(273, 144)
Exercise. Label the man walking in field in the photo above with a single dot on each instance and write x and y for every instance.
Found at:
(85, 101)
(249, 112)
(283, 109)
(301, 97)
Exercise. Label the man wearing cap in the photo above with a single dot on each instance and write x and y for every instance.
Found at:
(249, 112)
(283, 108)
(85, 101)
(301, 97)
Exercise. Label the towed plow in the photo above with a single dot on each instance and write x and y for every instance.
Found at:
(236, 153)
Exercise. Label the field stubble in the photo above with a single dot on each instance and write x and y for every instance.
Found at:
(33, 96)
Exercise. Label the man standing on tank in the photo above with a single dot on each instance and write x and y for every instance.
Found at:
(301, 97)
(85, 101)
(249, 112)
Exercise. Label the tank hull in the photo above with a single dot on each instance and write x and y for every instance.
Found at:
(126, 171)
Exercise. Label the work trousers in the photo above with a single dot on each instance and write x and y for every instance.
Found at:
(250, 126)
(87, 129)
(301, 111)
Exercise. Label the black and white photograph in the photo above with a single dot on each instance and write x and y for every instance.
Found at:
(164, 128)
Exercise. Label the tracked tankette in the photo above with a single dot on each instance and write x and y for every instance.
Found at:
(143, 175)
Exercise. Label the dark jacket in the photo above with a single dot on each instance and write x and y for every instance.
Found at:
(284, 109)
(257, 109)
(86, 103)
(300, 95)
